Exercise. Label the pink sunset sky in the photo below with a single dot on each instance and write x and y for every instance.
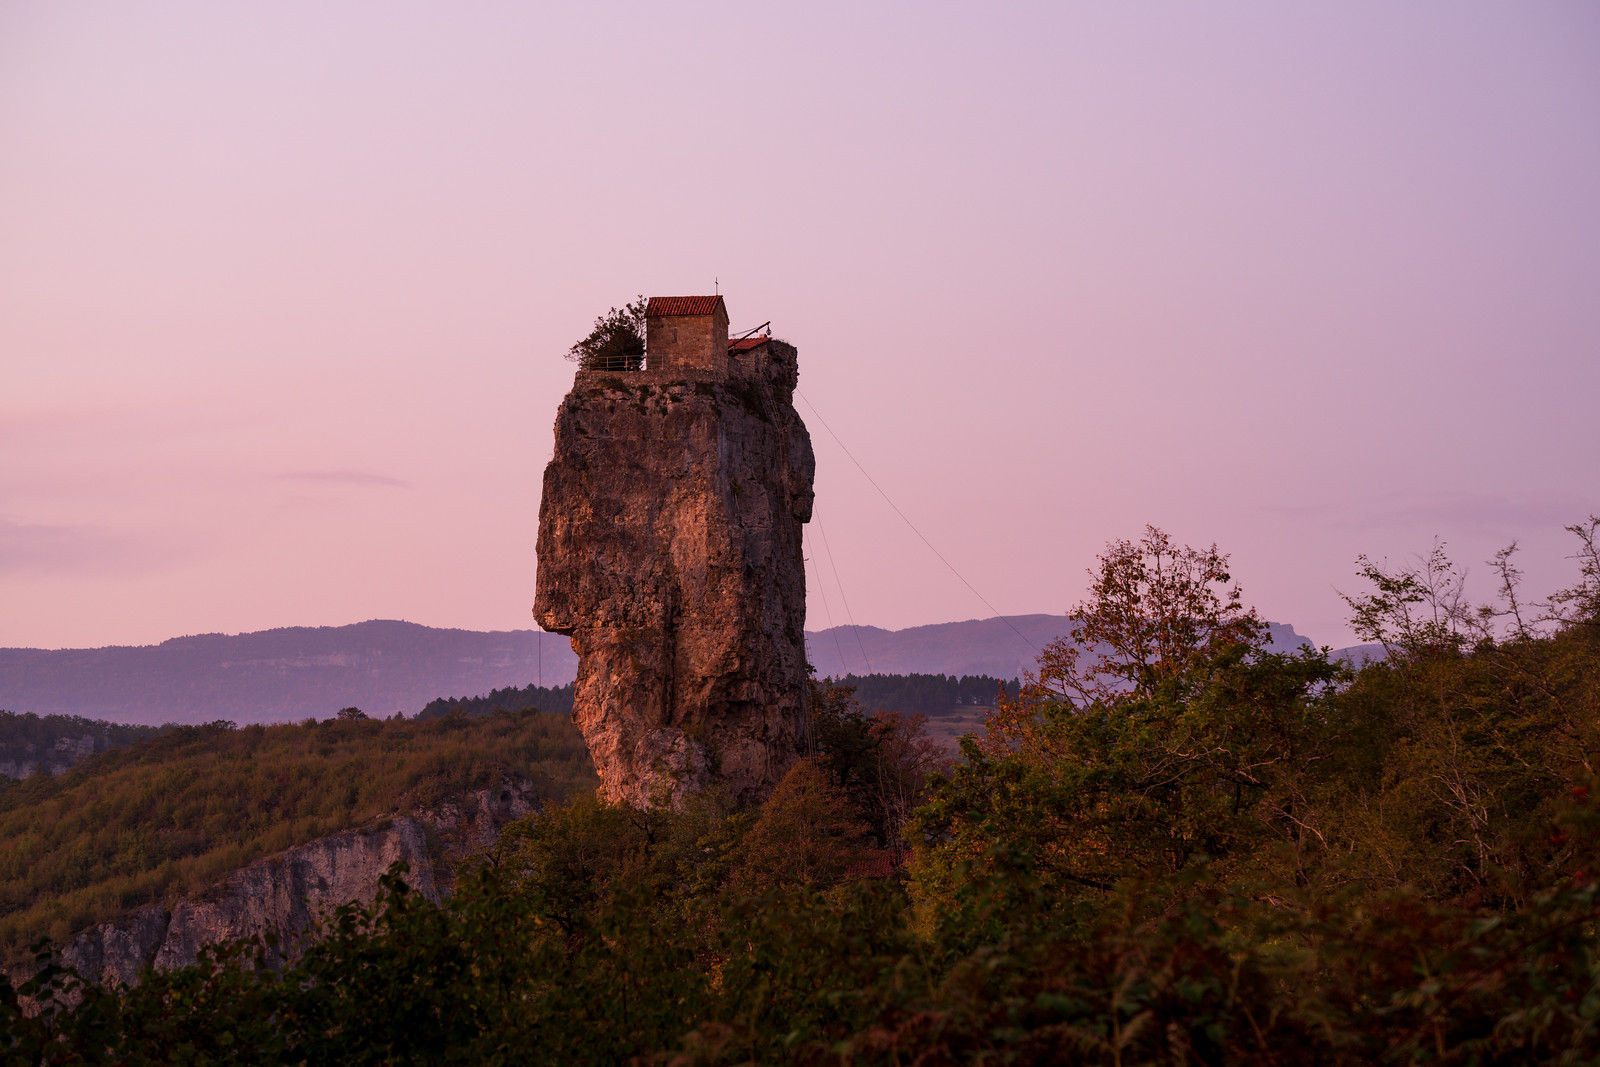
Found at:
(285, 288)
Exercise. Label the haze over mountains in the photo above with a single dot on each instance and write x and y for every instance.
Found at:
(385, 666)
(278, 675)
(1005, 647)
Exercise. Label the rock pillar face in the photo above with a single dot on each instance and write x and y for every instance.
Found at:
(670, 552)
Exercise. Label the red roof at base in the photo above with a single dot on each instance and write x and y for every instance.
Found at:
(684, 305)
(745, 344)
(872, 863)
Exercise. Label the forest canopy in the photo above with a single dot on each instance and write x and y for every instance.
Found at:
(1179, 847)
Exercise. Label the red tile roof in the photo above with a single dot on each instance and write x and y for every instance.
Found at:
(683, 305)
(745, 344)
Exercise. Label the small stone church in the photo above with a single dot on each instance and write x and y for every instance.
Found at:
(687, 337)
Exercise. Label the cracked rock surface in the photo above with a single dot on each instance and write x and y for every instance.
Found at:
(670, 552)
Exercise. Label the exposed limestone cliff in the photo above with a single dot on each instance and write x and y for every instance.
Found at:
(287, 893)
(670, 552)
(283, 895)
(26, 758)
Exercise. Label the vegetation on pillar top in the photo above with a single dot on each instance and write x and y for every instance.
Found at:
(616, 342)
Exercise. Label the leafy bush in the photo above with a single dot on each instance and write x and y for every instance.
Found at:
(616, 343)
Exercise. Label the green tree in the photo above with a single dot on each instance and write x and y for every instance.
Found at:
(617, 341)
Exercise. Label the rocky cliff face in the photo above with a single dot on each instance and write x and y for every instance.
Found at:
(27, 758)
(286, 894)
(283, 895)
(670, 552)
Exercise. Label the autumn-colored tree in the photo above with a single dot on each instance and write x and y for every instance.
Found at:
(881, 760)
(806, 834)
(1158, 614)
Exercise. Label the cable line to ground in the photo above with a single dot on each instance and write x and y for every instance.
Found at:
(834, 563)
(948, 565)
(823, 593)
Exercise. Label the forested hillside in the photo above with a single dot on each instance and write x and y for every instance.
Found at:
(926, 694)
(167, 815)
(1185, 848)
(52, 743)
(557, 700)
(952, 706)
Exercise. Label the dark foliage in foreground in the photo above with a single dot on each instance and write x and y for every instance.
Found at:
(1225, 857)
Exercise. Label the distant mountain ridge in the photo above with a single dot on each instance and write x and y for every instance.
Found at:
(1005, 647)
(384, 666)
(282, 675)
